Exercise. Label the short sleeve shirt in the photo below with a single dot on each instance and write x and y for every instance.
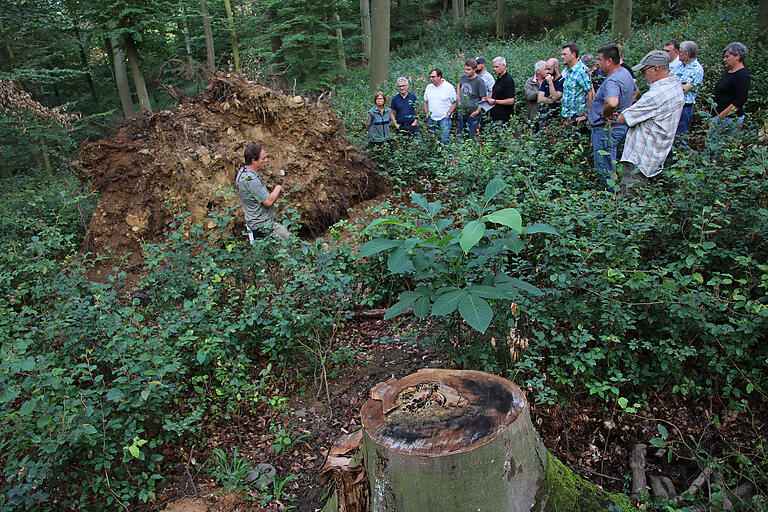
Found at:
(471, 92)
(503, 89)
(618, 84)
(253, 193)
(576, 85)
(652, 125)
(439, 99)
(691, 73)
(405, 108)
(549, 109)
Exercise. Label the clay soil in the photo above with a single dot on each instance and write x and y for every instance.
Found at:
(163, 163)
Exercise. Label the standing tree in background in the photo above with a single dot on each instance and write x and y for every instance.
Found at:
(379, 42)
(120, 74)
(210, 55)
(762, 22)
(233, 35)
(500, 14)
(365, 20)
(622, 20)
(339, 40)
(136, 72)
(455, 10)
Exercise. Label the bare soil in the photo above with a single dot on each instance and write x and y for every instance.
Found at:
(163, 163)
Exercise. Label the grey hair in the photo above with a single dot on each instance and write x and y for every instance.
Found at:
(539, 64)
(739, 50)
(402, 79)
(689, 47)
(500, 59)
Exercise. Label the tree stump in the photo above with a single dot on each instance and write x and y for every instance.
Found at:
(462, 440)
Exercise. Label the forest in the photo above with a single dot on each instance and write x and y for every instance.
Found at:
(152, 359)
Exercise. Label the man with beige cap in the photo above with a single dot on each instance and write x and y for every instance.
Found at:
(652, 123)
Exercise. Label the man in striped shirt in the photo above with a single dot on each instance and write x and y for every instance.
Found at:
(652, 123)
(577, 85)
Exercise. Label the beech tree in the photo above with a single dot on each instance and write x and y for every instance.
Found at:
(622, 20)
(379, 68)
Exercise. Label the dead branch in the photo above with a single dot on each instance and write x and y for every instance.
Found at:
(637, 466)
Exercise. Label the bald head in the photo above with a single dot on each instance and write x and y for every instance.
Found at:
(553, 66)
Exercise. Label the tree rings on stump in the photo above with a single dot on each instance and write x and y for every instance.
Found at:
(451, 440)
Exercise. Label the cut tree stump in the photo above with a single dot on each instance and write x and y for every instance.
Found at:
(462, 440)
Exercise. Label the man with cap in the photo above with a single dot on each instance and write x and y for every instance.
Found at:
(652, 123)
(483, 73)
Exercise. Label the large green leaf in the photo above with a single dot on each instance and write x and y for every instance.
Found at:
(493, 188)
(421, 201)
(399, 262)
(383, 222)
(471, 234)
(447, 302)
(434, 208)
(511, 282)
(539, 228)
(476, 312)
(421, 308)
(489, 292)
(377, 245)
(509, 217)
(398, 308)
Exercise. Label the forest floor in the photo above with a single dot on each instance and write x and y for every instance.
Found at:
(591, 438)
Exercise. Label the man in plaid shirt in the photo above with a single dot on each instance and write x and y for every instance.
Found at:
(577, 87)
(652, 123)
(690, 74)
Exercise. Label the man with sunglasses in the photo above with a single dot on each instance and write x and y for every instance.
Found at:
(652, 123)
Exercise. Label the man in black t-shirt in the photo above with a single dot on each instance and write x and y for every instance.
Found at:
(502, 97)
(550, 92)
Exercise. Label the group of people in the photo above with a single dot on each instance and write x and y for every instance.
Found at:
(594, 94)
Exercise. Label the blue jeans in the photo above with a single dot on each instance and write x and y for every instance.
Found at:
(606, 141)
(445, 128)
(468, 123)
(685, 119)
(721, 132)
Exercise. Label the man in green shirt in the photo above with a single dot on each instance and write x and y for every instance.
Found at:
(258, 201)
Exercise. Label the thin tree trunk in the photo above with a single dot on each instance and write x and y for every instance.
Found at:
(762, 22)
(5, 169)
(455, 10)
(622, 20)
(233, 35)
(84, 58)
(340, 40)
(120, 75)
(462, 9)
(11, 56)
(500, 14)
(185, 30)
(379, 42)
(209, 50)
(46, 159)
(138, 75)
(365, 20)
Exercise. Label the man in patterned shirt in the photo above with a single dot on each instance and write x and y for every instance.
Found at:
(577, 86)
(690, 74)
(652, 123)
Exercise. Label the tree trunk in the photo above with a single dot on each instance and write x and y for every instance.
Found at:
(84, 57)
(233, 35)
(622, 20)
(185, 30)
(762, 22)
(340, 41)
(500, 14)
(365, 20)
(462, 9)
(11, 56)
(138, 75)
(209, 51)
(379, 42)
(463, 440)
(120, 75)
(455, 11)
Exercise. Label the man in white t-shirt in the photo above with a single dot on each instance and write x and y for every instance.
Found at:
(439, 104)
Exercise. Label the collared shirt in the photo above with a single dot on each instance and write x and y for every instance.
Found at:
(691, 73)
(652, 124)
(674, 65)
(378, 122)
(618, 84)
(439, 99)
(576, 85)
(405, 108)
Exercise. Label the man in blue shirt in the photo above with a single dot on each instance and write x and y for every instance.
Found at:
(403, 106)
(616, 93)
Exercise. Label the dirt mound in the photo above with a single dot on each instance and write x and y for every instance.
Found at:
(190, 155)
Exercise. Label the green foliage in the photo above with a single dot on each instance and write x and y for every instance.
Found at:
(229, 473)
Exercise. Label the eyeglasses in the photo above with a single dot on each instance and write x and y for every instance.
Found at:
(642, 71)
